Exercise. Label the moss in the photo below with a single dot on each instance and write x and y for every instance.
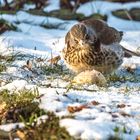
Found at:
(6, 26)
(115, 78)
(123, 78)
(55, 69)
(37, 12)
(133, 14)
(6, 60)
(98, 16)
(51, 26)
(119, 131)
(21, 103)
(65, 14)
(67, 4)
(23, 106)
(9, 12)
(2, 67)
(49, 129)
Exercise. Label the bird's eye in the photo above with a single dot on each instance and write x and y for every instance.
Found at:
(86, 36)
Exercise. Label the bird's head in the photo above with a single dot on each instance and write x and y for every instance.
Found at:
(83, 36)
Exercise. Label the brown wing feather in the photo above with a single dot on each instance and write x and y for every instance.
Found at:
(105, 33)
(97, 25)
(110, 35)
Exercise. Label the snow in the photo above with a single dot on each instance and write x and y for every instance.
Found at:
(15, 85)
(23, 16)
(29, 6)
(9, 127)
(52, 5)
(95, 121)
(89, 129)
(2, 2)
(131, 41)
(123, 25)
(106, 8)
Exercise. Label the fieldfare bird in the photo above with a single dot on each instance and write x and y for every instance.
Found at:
(94, 45)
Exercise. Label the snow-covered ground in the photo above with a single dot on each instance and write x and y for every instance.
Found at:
(118, 104)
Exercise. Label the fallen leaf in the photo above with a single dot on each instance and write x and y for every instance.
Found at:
(138, 138)
(29, 65)
(125, 114)
(73, 109)
(2, 107)
(95, 103)
(131, 68)
(114, 116)
(21, 135)
(121, 105)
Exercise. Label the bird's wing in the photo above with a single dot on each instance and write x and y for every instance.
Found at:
(128, 53)
(105, 33)
(110, 35)
(95, 24)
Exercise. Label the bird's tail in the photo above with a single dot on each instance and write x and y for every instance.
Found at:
(128, 53)
(121, 33)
